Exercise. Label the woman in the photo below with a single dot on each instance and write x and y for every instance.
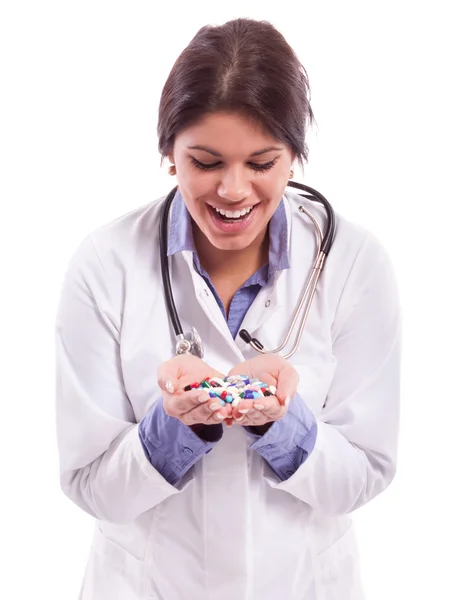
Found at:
(194, 499)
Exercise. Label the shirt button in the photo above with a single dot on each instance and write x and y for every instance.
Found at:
(268, 447)
(289, 474)
(267, 304)
(187, 450)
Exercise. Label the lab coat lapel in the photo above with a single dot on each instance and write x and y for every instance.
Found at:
(207, 302)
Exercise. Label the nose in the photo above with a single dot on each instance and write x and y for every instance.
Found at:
(234, 185)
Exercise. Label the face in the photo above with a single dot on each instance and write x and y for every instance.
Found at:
(232, 176)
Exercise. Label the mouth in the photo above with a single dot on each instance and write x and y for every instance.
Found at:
(232, 221)
(232, 216)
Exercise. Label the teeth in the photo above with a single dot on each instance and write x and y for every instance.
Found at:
(234, 214)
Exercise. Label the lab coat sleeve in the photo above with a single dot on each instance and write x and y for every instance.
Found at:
(103, 467)
(354, 458)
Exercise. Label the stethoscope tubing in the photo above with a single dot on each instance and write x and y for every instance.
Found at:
(325, 241)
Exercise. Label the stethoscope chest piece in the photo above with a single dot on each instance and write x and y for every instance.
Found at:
(191, 344)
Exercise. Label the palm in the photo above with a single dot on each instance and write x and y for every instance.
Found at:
(192, 369)
(266, 368)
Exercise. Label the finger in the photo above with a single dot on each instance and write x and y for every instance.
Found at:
(242, 409)
(253, 418)
(178, 405)
(167, 378)
(288, 380)
(210, 412)
(274, 412)
(220, 415)
(168, 384)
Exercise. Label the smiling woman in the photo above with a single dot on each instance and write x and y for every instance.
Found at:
(249, 177)
(196, 497)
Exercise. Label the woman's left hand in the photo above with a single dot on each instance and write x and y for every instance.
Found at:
(273, 370)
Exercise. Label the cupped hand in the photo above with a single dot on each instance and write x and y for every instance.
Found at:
(273, 370)
(194, 406)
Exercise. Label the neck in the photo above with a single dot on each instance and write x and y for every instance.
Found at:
(229, 263)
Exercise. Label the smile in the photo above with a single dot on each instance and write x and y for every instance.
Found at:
(233, 214)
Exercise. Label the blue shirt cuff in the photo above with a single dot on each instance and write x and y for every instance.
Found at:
(171, 446)
(288, 442)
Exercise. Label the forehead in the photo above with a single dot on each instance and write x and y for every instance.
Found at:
(227, 133)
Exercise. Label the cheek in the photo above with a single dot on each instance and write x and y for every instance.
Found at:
(193, 185)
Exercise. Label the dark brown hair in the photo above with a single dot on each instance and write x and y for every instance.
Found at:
(244, 66)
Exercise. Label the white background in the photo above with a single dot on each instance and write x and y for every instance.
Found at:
(80, 84)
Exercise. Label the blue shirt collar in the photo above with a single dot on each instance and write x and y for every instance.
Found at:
(181, 239)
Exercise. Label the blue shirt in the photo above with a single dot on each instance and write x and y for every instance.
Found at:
(172, 447)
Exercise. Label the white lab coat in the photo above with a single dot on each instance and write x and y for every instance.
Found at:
(230, 530)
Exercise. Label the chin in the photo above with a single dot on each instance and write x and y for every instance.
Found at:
(229, 245)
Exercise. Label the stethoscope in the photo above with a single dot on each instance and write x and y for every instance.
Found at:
(192, 343)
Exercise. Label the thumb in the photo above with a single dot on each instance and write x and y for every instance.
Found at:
(288, 380)
(167, 378)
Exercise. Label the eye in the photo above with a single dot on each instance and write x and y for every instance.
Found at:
(264, 166)
(204, 166)
(210, 166)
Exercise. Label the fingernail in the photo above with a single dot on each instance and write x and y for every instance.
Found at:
(244, 411)
(220, 416)
(203, 398)
(169, 386)
(215, 406)
(258, 406)
(287, 401)
(238, 419)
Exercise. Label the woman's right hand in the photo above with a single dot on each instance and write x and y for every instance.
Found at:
(194, 406)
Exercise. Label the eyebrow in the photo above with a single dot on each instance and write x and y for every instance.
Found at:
(215, 153)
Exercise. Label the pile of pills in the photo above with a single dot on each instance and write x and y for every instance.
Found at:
(233, 389)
